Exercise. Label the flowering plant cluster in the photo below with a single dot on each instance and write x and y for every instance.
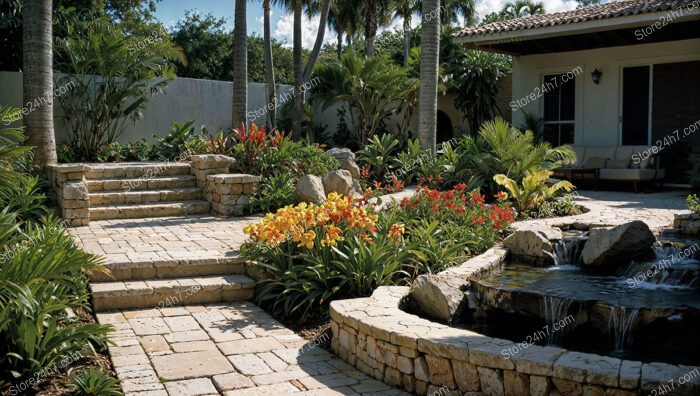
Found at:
(311, 225)
(255, 140)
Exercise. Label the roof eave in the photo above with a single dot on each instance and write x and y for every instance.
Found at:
(598, 25)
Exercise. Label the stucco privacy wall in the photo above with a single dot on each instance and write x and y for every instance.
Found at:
(205, 101)
(597, 106)
(208, 102)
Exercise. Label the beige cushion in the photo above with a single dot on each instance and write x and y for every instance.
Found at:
(630, 174)
(595, 162)
(607, 152)
(642, 154)
(617, 164)
(624, 153)
(580, 152)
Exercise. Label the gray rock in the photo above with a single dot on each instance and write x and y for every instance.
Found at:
(310, 189)
(437, 296)
(616, 246)
(350, 166)
(341, 153)
(533, 244)
(339, 181)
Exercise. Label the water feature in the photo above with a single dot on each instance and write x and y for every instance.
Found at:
(648, 310)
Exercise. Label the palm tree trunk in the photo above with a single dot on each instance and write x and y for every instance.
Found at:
(340, 43)
(370, 26)
(325, 7)
(269, 65)
(406, 38)
(37, 80)
(430, 47)
(240, 66)
(298, 70)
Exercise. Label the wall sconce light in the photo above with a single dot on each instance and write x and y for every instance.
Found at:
(596, 74)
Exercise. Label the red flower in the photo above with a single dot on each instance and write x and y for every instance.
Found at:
(460, 187)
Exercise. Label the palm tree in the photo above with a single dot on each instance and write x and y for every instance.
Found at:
(269, 65)
(343, 18)
(430, 53)
(375, 13)
(37, 79)
(405, 9)
(240, 66)
(521, 8)
(452, 9)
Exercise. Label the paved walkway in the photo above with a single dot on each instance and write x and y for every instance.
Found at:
(229, 349)
(236, 348)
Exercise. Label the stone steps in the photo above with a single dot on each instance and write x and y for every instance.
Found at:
(136, 170)
(143, 196)
(141, 183)
(163, 293)
(171, 268)
(156, 209)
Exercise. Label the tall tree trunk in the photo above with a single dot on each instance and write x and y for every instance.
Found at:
(325, 7)
(406, 38)
(340, 43)
(269, 65)
(430, 48)
(370, 15)
(37, 80)
(298, 70)
(240, 66)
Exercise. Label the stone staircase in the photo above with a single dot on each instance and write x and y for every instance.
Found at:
(136, 190)
(167, 283)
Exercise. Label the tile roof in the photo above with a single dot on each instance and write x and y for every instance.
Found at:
(612, 9)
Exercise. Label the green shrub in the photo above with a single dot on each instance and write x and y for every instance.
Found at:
(175, 142)
(273, 192)
(693, 203)
(533, 190)
(94, 382)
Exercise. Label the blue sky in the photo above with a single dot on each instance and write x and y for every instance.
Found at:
(169, 11)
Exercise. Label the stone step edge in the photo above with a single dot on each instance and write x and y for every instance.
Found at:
(164, 195)
(150, 269)
(170, 292)
(130, 170)
(145, 210)
(124, 184)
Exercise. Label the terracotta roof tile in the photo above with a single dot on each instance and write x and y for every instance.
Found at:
(612, 9)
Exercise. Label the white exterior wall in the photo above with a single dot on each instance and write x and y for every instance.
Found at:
(598, 107)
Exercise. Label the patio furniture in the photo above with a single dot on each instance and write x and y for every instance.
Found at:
(570, 172)
(634, 164)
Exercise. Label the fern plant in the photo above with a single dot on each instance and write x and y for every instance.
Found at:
(94, 382)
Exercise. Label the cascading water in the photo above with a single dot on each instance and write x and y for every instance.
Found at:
(567, 253)
(621, 325)
(555, 311)
(674, 267)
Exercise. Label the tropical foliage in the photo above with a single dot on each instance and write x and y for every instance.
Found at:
(43, 276)
(533, 190)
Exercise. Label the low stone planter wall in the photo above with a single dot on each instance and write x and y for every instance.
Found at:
(687, 223)
(426, 357)
(230, 194)
(68, 181)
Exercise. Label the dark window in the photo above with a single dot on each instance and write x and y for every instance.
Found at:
(559, 108)
(635, 106)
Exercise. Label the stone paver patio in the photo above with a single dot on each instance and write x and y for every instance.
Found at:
(235, 347)
(228, 348)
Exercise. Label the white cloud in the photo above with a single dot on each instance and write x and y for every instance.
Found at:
(309, 28)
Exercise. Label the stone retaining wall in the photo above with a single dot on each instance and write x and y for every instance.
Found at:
(425, 357)
(230, 194)
(68, 181)
(687, 223)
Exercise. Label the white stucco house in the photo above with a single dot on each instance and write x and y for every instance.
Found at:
(622, 73)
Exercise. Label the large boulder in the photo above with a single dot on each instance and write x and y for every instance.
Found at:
(347, 160)
(439, 297)
(534, 244)
(310, 189)
(615, 246)
(339, 181)
(341, 153)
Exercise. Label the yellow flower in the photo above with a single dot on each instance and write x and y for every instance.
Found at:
(332, 236)
(307, 239)
(396, 231)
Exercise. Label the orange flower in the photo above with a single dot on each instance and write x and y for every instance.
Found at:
(396, 231)
(501, 196)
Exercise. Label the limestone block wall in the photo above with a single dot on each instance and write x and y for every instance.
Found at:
(68, 182)
(426, 357)
(687, 223)
(229, 194)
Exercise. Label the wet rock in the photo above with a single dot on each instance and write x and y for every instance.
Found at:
(533, 244)
(438, 297)
(612, 247)
(310, 189)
